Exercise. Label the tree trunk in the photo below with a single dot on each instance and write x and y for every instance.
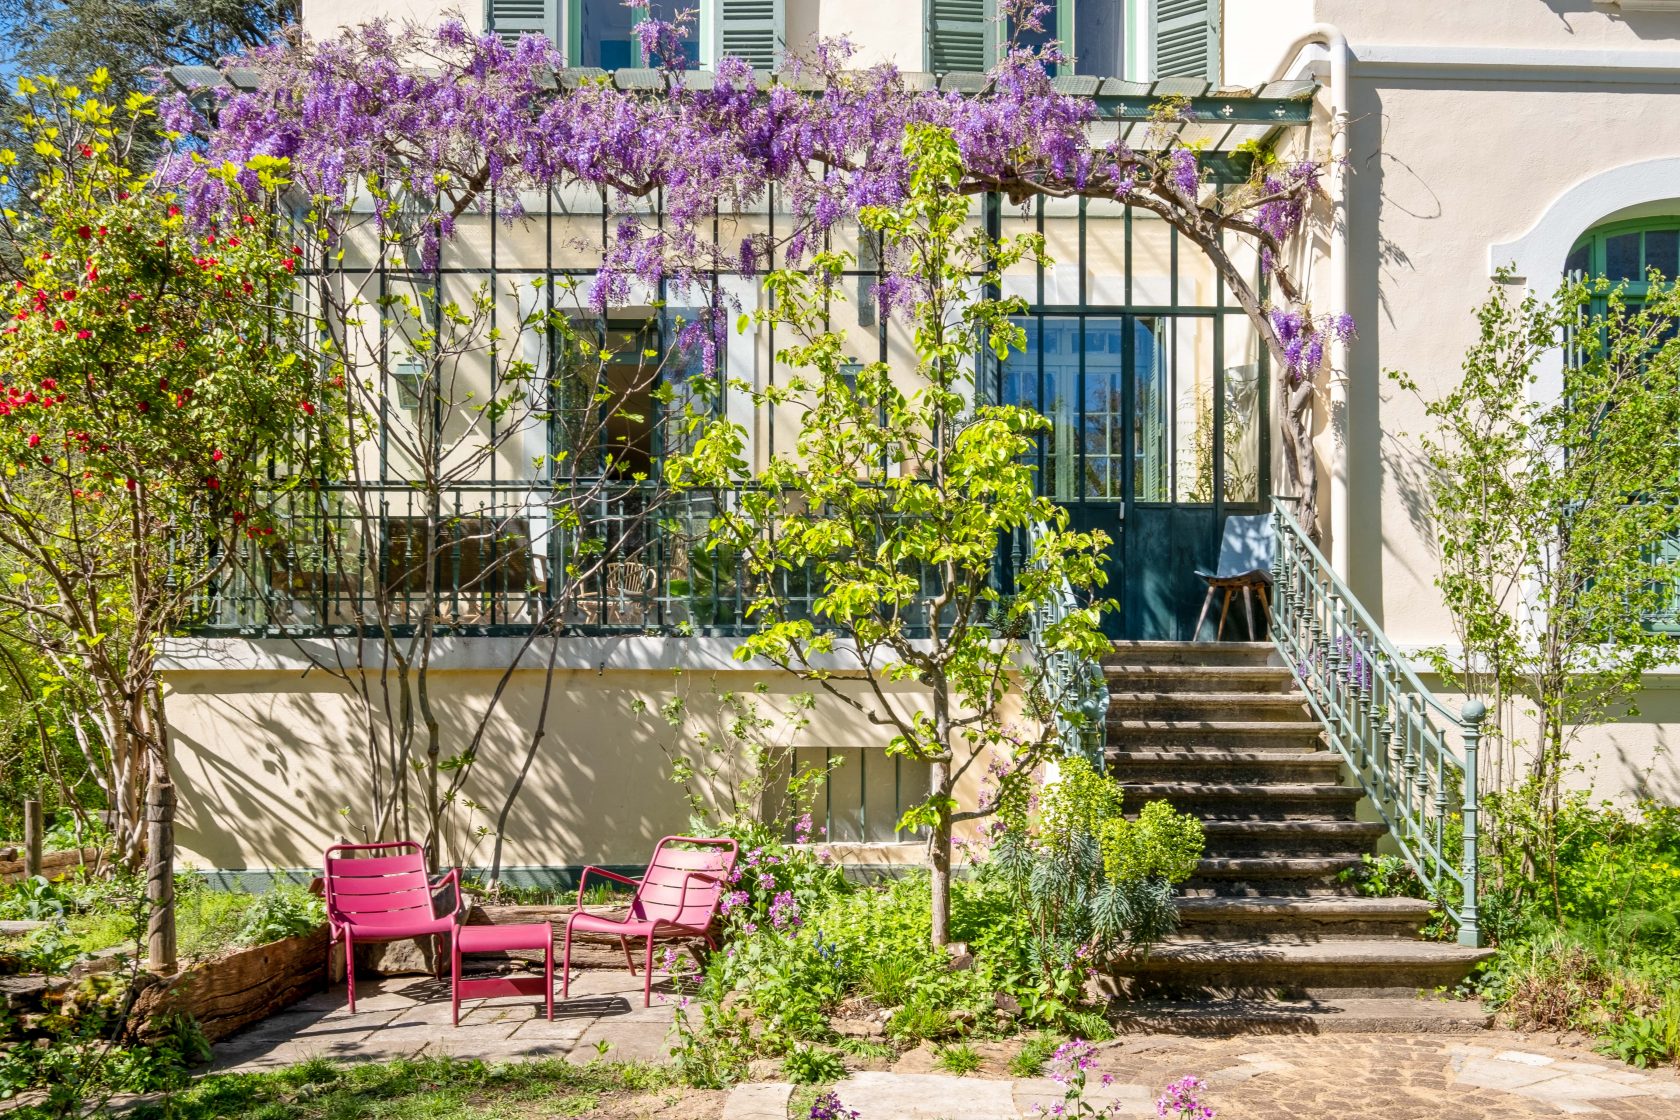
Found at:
(160, 871)
(939, 850)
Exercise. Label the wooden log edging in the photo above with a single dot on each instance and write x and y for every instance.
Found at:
(229, 992)
(53, 864)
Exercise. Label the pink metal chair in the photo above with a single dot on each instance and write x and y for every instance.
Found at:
(374, 897)
(678, 896)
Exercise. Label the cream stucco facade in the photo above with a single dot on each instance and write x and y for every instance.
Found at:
(1479, 134)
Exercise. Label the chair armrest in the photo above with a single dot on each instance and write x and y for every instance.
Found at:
(453, 877)
(682, 899)
(583, 880)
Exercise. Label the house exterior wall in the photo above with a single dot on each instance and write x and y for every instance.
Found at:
(1468, 123)
(272, 766)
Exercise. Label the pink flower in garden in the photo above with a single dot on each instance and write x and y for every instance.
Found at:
(59, 325)
(34, 440)
(1182, 1101)
(84, 334)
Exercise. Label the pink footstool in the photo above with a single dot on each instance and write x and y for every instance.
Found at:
(502, 939)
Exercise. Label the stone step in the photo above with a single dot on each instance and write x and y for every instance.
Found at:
(1404, 1016)
(1275, 919)
(1214, 801)
(1200, 678)
(1289, 838)
(1192, 653)
(1126, 733)
(1226, 766)
(1258, 707)
(1291, 877)
(1328, 967)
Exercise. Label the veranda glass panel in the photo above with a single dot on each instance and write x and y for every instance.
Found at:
(1243, 388)
(1192, 403)
(1104, 416)
(1151, 413)
(1105, 254)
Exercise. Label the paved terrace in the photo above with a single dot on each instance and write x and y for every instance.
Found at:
(1489, 1075)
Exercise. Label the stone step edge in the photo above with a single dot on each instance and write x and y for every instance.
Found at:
(1329, 952)
(1284, 867)
(1225, 757)
(1276, 791)
(1409, 1016)
(1266, 828)
(1321, 908)
(1303, 726)
(1259, 699)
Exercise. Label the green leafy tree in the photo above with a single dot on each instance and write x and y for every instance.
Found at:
(890, 508)
(1551, 515)
(149, 401)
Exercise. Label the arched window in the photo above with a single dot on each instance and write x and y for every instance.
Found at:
(1628, 251)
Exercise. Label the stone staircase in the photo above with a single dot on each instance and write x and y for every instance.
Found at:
(1269, 939)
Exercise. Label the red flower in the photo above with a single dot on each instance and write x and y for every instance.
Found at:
(49, 383)
(174, 211)
(84, 335)
(69, 294)
(308, 409)
(213, 482)
(87, 152)
(102, 228)
(34, 440)
(84, 232)
(58, 324)
(163, 384)
(216, 455)
(143, 407)
(129, 482)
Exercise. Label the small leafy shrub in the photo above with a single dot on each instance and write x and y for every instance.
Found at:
(1087, 882)
(34, 899)
(809, 1065)
(958, 1058)
(1384, 876)
(284, 911)
(1549, 984)
(1035, 1052)
(1637, 1040)
(888, 981)
(920, 1021)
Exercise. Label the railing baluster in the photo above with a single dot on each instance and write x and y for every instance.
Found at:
(1388, 726)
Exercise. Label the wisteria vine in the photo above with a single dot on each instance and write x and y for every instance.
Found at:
(449, 120)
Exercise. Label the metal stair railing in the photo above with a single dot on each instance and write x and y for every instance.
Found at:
(1396, 735)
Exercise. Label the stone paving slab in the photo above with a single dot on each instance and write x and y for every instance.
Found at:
(927, 1096)
(767, 1100)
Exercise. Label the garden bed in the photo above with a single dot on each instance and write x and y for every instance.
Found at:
(239, 987)
(53, 864)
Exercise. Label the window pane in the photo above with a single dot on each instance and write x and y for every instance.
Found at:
(1024, 39)
(1098, 37)
(1243, 387)
(1621, 257)
(668, 10)
(1662, 251)
(1101, 436)
(1193, 409)
(606, 34)
(1149, 412)
(1060, 341)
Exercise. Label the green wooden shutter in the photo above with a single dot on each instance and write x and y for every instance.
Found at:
(960, 35)
(512, 18)
(752, 30)
(1185, 34)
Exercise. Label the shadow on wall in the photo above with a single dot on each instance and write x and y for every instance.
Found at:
(1634, 758)
(1645, 24)
(273, 767)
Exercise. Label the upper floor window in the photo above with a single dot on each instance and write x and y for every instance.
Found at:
(1135, 39)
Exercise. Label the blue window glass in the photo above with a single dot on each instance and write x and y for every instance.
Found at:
(1099, 35)
(1621, 257)
(607, 41)
(1662, 251)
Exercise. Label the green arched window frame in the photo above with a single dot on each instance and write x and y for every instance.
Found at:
(1627, 251)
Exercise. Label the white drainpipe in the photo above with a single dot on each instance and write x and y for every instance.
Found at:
(1331, 38)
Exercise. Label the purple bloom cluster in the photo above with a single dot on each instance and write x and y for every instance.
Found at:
(1182, 1101)
(1303, 339)
(784, 911)
(827, 1106)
